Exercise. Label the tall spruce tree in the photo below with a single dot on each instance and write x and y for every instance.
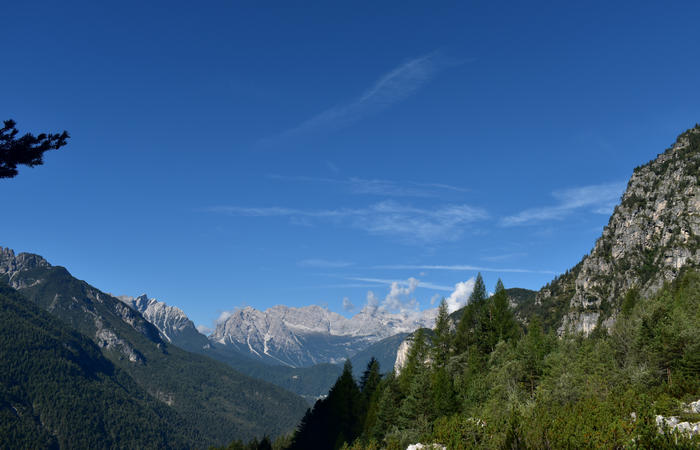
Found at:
(442, 339)
(416, 408)
(479, 293)
(469, 324)
(370, 379)
(387, 408)
(333, 420)
(497, 321)
(415, 360)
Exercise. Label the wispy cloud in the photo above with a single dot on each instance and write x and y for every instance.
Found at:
(460, 267)
(386, 188)
(390, 88)
(323, 263)
(598, 198)
(407, 223)
(503, 257)
(410, 281)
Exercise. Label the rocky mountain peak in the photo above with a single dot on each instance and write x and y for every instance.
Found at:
(652, 235)
(11, 263)
(172, 322)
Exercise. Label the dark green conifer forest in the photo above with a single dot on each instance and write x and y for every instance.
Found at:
(491, 382)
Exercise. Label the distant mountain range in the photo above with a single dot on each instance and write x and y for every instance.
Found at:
(299, 349)
(282, 335)
(210, 401)
(301, 337)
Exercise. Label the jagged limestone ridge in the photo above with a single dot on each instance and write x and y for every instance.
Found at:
(651, 236)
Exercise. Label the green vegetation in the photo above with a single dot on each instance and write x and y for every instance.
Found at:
(57, 390)
(501, 386)
(206, 395)
(27, 150)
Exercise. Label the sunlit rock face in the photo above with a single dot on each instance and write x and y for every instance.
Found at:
(172, 323)
(652, 235)
(310, 335)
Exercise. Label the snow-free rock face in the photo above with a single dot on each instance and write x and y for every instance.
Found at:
(172, 323)
(651, 236)
(11, 265)
(311, 335)
(94, 313)
(402, 354)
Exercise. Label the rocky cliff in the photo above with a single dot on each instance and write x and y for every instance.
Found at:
(652, 235)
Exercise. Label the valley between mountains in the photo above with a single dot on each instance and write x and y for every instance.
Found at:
(626, 314)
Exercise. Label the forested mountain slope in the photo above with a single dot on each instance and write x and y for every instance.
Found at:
(209, 396)
(58, 390)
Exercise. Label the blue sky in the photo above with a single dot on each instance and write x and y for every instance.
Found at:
(240, 153)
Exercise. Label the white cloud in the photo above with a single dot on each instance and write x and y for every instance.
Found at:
(391, 88)
(224, 315)
(397, 298)
(372, 303)
(205, 330)
(459, 297)
(348, 305)
(407, 223)
(598, 198)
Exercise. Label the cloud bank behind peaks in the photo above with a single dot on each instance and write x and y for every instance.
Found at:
(397, 300)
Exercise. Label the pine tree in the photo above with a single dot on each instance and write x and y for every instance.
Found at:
(344, 399)
(387, 408)
(26, 150)
(499, 286)
(505, 324)
(414, 361)
(416, 407)
(497, 321)
(443, 393)
(479, 293)
(333, 420)
(533, 348)
(371, 378)
(369, 387)
(442, 340)
(469, 324)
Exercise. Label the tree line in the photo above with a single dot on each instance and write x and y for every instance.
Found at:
(486, 380)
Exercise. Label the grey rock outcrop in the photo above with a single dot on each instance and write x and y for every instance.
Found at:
(11, 265)
(652, 235)
(172, 323)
